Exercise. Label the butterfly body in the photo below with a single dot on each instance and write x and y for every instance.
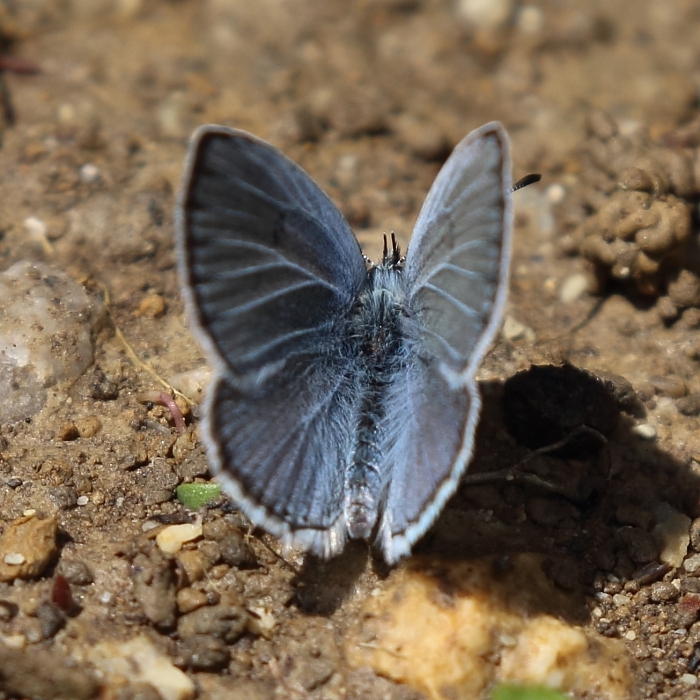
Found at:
(343, 402)
(379, 342)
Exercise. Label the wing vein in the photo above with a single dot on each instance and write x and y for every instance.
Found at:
(466, 310)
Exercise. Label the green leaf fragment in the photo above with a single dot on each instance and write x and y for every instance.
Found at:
(194, 496)
(525, 692)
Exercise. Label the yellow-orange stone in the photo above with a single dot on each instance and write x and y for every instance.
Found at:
(453, 629)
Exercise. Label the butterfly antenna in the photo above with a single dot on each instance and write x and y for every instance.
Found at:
(395, 249)
(530, 179)
(386, 248)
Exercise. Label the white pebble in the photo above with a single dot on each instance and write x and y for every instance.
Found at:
(556, 193)
(692, 564)
(35, 227)
(630, 636)
(82, 500)
(14, 559)
(485, 14)
(619, 600)
(573, 287)
(645, 431)
(514, 330)
(89, 173)
(689, 679)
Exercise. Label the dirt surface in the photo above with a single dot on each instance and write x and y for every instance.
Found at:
(601, 97)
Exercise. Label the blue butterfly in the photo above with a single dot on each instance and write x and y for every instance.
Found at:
(343, 402)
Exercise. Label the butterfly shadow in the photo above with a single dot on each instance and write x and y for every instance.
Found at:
(591, 512)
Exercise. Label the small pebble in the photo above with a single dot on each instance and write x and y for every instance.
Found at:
(194, 563)
(89, 173)
(645, 431)
(82, 500)
(170, 539)
(668, 386)
(514, 330)
(663, 591)
(151, 306)
(619, 600)
(88, 427)
(573, 287)
(630, 635)
(485, 14)
(189, 599)
(76, 572)
(672, 532)
(63, 497)
(689, 405)
(556, 193)
(35, 228)
(688, 679)
(51, 618)
(14, 559)
(103, 388)
(30, 543)
(692, 564)
(46, 330)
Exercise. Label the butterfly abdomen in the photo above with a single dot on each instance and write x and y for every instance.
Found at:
(378, 341)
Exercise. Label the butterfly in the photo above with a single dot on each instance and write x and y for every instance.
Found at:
(343, 400)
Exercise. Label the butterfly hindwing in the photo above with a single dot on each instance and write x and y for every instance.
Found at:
(425, 453)
(279, 451)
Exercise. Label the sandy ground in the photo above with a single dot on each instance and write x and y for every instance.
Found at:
(369, 97)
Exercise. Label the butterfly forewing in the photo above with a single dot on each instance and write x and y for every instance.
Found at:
(457, 260)
(426, 447)
(269, 262)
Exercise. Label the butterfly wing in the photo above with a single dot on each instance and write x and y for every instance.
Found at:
(458, 258)
(266, 259)
(269, 270)
(283, 449)
(457, 277)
